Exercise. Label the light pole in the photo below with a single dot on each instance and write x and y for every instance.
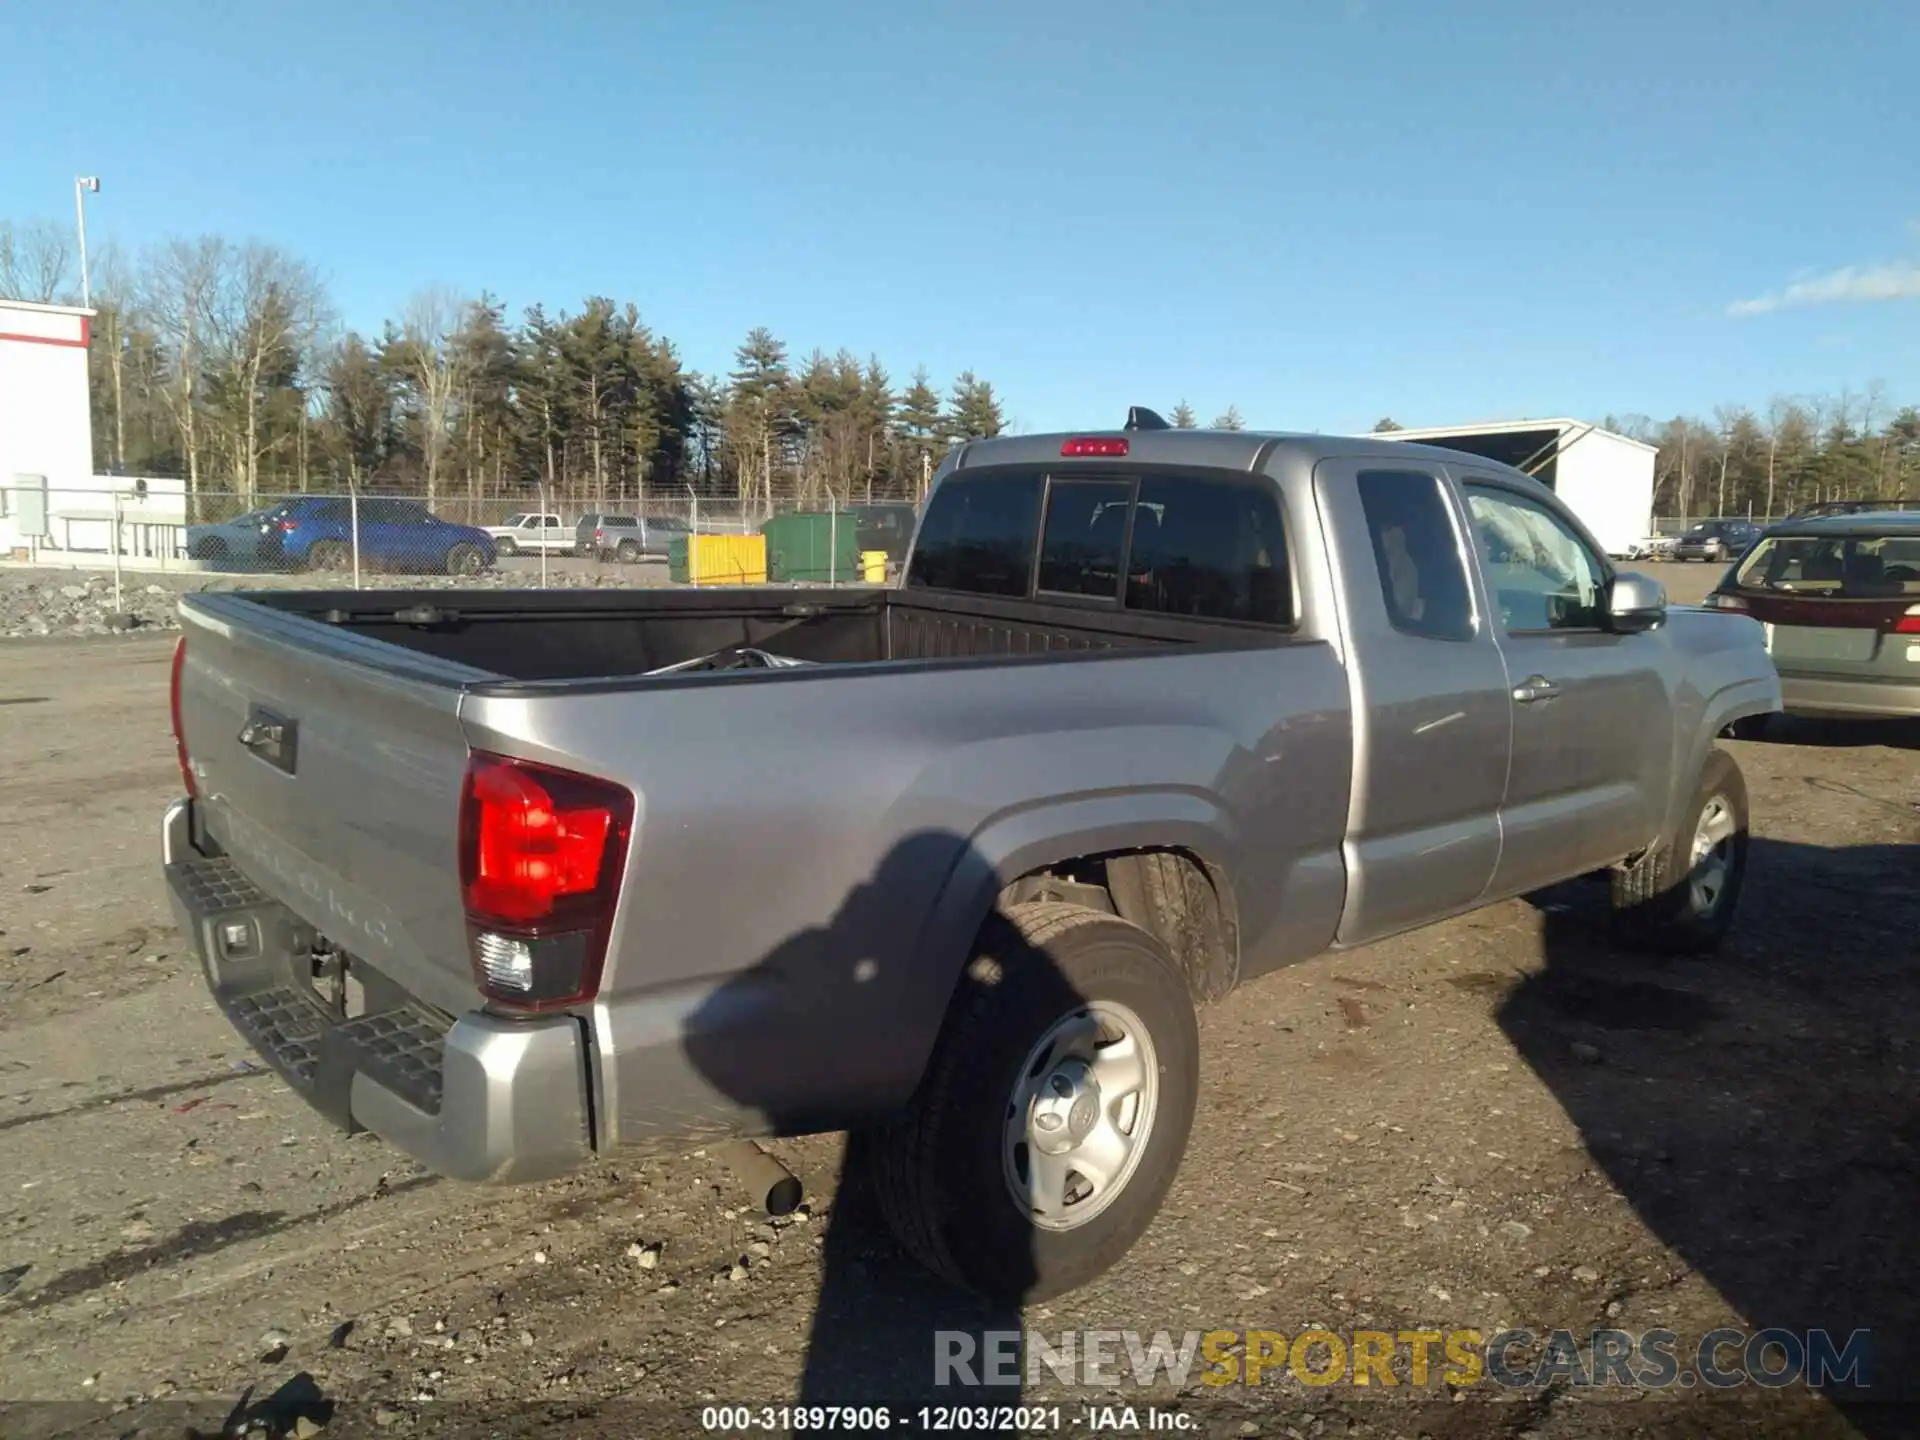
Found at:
(82, 184)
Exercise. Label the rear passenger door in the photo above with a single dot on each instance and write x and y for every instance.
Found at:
(1592, 719)
(1431, 710)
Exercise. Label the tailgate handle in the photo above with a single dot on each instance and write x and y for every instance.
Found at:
(272, 737)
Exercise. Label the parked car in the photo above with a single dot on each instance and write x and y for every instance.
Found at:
(1721, 540)
(1152, 714)
(1839, 596)
(317, 533)
(628, 538)
(228, 542)
(533, 533)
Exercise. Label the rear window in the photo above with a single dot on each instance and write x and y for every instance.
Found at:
(1856, 567)
(979, 536)
(1209, 550)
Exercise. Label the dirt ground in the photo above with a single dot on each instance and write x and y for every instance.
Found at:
(1500, 1122)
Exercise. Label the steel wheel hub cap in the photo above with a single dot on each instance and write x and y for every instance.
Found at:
(1712, 858)
(1080, 1114)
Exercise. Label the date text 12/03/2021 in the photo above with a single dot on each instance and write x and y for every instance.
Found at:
(943, 1419)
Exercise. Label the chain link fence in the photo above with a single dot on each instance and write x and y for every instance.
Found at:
(362, 539)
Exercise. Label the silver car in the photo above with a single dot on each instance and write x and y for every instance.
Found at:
(1839, 596)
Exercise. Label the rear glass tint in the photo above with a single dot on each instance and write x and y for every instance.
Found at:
(1209, 550)
(979, 536)
(1085, 533)
(1855, 567)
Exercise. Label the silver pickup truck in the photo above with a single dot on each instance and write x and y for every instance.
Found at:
(515, 880)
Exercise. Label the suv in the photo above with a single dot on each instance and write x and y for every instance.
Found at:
(1717, 540)
(1839, 596)
(628, 538)
(318, 533)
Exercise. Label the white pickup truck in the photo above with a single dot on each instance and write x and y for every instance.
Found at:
(532, 534)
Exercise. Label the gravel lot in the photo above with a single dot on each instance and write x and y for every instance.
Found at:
(1499, 1122)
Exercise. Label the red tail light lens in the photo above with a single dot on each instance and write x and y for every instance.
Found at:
(287, 527)
(179, 731)
(1909, 623)
(542, 851)
(1095, 445)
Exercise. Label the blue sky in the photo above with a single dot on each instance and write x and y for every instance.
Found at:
(1320, 213)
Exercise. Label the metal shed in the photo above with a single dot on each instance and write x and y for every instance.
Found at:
(1605, 478)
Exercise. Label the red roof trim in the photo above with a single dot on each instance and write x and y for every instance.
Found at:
(86, 337)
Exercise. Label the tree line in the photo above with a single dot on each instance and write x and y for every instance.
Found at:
(223, 363)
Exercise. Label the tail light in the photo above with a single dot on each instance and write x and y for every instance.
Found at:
(173, 706)
(286, 526)
(1096, 445)
(1909, 623)
(542, 851)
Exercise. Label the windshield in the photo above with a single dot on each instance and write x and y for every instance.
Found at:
(1706, 528)
(1856, 567)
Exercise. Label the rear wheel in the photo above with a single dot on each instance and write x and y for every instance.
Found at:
(506, 546)
(627, 552)
(1056, 1109)
(1680, 896)
(465, 559)
(329, 555)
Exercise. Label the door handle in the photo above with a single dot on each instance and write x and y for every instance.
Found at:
(1535, 687)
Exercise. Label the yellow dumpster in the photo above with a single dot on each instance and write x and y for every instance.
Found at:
(719, 560)
(873, 566)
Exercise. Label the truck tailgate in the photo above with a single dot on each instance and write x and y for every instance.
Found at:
(329, 767)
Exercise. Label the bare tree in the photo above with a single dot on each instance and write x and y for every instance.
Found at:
(435, 368)
(36, 260)
(264, 312)
(177, 294)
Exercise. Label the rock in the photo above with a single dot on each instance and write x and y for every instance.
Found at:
(1516, 1231)
(1586, 1274)
(1589, 1054)
(383, 1417)
(305, 1428)
(74, 592)
(526, 1339)
(737, 1274)
(759, 1250)
(1614, 1309)
(399, 1328)
(138, 1232)
(539, 1257)
(645, 1256)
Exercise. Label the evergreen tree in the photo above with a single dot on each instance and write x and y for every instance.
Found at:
(1183, 417)
(974, 412)
(1230, 420)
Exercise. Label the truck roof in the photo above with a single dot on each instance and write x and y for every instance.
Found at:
(1215, 449)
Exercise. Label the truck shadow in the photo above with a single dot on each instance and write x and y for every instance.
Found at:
(881, 1318)
(1759, 1110)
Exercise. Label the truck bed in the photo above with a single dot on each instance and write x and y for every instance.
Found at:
(544, 636)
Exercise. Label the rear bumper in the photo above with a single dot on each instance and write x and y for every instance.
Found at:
(474, 1097)
(1814, 695)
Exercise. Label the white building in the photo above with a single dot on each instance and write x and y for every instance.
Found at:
(46, 420)
(1604, 478)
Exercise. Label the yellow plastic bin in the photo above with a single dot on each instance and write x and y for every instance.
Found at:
(873, 566)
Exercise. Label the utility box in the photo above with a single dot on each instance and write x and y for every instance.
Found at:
(25, 504)
(813, 548)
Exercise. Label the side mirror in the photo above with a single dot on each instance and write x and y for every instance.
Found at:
(1635, 603)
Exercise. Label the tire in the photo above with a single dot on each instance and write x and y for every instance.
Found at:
(465, 559)
(627, 552)
(329, 555)
(1669, 901)
(505, 546)
(946, 1175)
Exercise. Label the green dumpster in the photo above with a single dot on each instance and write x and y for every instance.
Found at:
(677, 570)
(812, 547)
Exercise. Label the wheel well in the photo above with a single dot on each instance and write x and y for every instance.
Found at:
(1172, 894)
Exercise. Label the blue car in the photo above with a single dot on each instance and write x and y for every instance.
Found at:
(316, 533)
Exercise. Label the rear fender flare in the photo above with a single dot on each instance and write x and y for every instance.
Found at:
(1019, 842)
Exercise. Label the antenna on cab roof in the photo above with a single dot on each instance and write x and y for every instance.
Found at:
(1141, 418)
